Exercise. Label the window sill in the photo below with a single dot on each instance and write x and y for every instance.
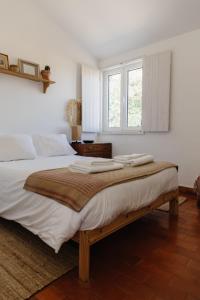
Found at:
(128, 132)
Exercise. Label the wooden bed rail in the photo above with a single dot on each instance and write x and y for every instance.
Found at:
(89, 237)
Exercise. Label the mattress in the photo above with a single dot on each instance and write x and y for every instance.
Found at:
(55, 223)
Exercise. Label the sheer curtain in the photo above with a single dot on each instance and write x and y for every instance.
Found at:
(91, 104)
(156, 92)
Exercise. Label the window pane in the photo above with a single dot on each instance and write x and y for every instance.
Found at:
(134, 98)
(114, 96)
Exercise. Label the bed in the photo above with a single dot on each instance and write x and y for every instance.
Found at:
(106, 212)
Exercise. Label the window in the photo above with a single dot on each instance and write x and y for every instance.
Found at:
(134, 99)
(122, 98)
(114, 98)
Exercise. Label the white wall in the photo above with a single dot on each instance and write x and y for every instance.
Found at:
(27, 32)
(182, 144)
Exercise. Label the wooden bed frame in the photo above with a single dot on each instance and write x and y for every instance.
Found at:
(87, 238)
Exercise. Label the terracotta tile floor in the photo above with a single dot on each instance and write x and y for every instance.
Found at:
(152, 259)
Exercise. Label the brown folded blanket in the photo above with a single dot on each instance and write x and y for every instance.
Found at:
(75, 189)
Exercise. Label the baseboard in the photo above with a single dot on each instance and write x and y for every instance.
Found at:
(186, 190)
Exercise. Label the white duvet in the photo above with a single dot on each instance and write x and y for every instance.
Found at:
(55, 223)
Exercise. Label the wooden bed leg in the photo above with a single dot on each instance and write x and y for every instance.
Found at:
(84, 256)
(173, 207)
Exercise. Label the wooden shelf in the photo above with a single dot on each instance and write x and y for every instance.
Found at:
(46, 83)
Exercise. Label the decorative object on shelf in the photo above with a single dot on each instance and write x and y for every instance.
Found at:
(46, 76)
(14, 68)
(74, 118)
(46, 73)
(4, 62)
(29, 68)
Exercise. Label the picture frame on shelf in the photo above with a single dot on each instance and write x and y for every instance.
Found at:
(29, 68)
(4, 61)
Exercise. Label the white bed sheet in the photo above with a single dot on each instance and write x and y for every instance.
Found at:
(55, 223)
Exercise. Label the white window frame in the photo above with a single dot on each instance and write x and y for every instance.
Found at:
(123, 70)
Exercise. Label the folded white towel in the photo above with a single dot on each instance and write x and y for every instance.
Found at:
(127, 157)
(95, 162)
(125, 163)
(142, 160)
(94, 169)
(136, 161)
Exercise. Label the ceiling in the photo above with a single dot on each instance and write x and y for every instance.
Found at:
(110, 27)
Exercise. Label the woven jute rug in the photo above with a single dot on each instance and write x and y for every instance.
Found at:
(165, 207)
(27, 264)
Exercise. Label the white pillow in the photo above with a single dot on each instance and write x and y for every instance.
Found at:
(16, 147)
(52, 145)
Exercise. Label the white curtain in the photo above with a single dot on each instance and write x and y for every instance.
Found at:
(156, 92)
(91, 106)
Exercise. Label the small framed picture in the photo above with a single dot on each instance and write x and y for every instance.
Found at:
(29, 68)
(4, 63)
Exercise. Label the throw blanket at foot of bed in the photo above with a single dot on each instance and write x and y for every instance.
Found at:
(75, 189)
